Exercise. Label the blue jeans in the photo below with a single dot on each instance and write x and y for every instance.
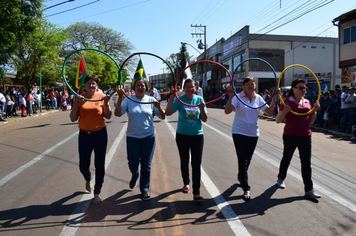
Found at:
(194, 144)
(303, 143)
(349, 116)
(2, 110)
(245, 147)
(28, 107)
(86, 144)
(140, 150)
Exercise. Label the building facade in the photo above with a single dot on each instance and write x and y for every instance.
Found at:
(319, 54)
(346, 24)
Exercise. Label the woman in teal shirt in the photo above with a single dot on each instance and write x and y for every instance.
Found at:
(189, 136)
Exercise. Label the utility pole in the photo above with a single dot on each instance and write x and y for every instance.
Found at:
(202, 28)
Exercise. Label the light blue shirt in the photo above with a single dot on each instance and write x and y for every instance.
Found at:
(140, 116)
(189, 122)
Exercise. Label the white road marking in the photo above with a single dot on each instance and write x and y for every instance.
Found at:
(232, 219)
(73, 222)
(33, 161)
(320, 189)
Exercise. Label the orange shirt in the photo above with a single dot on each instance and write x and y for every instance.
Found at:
(91, 114)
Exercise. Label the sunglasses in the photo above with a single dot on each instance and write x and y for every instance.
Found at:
(301, 87)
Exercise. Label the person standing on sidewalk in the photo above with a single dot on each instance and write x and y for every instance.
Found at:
(297, 134)
(23, 105)
(350, 112)
(2, 104)
(92, 133)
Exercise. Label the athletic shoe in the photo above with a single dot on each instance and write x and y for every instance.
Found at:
(280, 183)
(96, 199)
(246, 196)
(312, 194)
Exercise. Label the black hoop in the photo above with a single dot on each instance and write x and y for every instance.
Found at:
(144, 53)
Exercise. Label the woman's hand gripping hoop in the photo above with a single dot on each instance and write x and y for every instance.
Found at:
(274, 72)
(85, 49)
(316, 78)
(202, 61)
(143, 53)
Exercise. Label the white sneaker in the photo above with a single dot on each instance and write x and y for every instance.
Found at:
(312, 194)
(97, 199)
(280, 183)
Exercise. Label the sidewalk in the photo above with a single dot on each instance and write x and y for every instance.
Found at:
(18, 118)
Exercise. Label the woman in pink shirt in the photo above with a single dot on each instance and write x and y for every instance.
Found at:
(297, 134)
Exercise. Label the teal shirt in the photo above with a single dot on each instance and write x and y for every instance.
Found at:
(189, 122)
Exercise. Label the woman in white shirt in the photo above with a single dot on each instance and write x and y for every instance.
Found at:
(245, 126)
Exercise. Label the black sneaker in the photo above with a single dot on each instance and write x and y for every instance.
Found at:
(145, 196)
(133, 180)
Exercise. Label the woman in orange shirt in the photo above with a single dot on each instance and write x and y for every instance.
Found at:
(92, 133)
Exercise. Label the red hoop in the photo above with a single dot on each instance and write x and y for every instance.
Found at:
(208, 61)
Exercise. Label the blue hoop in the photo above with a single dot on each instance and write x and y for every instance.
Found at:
(275, 86)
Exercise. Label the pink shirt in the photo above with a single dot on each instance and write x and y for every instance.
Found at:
(297, 125)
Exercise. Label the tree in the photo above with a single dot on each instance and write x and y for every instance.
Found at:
(39, 50)
(94, 35)
(18, 19)
(177, 61)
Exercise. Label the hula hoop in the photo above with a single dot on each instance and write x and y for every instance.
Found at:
(214, 100)
(82, 49)
(274, 72)
(317, 81)
(145, 53)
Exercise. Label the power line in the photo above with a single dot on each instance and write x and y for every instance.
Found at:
(72, 8)
(119, 8)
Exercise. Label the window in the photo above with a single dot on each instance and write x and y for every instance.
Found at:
(227, 65)
(349, 35)
(313, 47)
(273, 58)
(304, 46)
(323, 47)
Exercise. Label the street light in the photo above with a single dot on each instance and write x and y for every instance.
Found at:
(191, 46)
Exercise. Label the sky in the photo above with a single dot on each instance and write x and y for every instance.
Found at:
(159, 26)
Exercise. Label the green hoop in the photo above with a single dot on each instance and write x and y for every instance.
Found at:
(83, 49)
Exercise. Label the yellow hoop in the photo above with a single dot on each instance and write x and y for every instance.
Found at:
(317, 81)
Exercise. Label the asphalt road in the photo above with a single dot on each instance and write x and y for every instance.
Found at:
(42, 191)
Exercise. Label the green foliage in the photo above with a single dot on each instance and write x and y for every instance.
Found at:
(18, 20)
(40, 50)
(94, 35)
(177, 61)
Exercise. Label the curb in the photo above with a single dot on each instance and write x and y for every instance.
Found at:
(11, 120)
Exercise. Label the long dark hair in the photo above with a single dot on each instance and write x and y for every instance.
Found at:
(293, 85)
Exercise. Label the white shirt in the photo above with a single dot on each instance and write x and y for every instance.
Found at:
(246, 118)
(153, 93)
(200, 92)
(343, 105)
(2, 98)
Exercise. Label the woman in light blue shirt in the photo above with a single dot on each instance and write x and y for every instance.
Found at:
(189, 136)
(140, 133)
